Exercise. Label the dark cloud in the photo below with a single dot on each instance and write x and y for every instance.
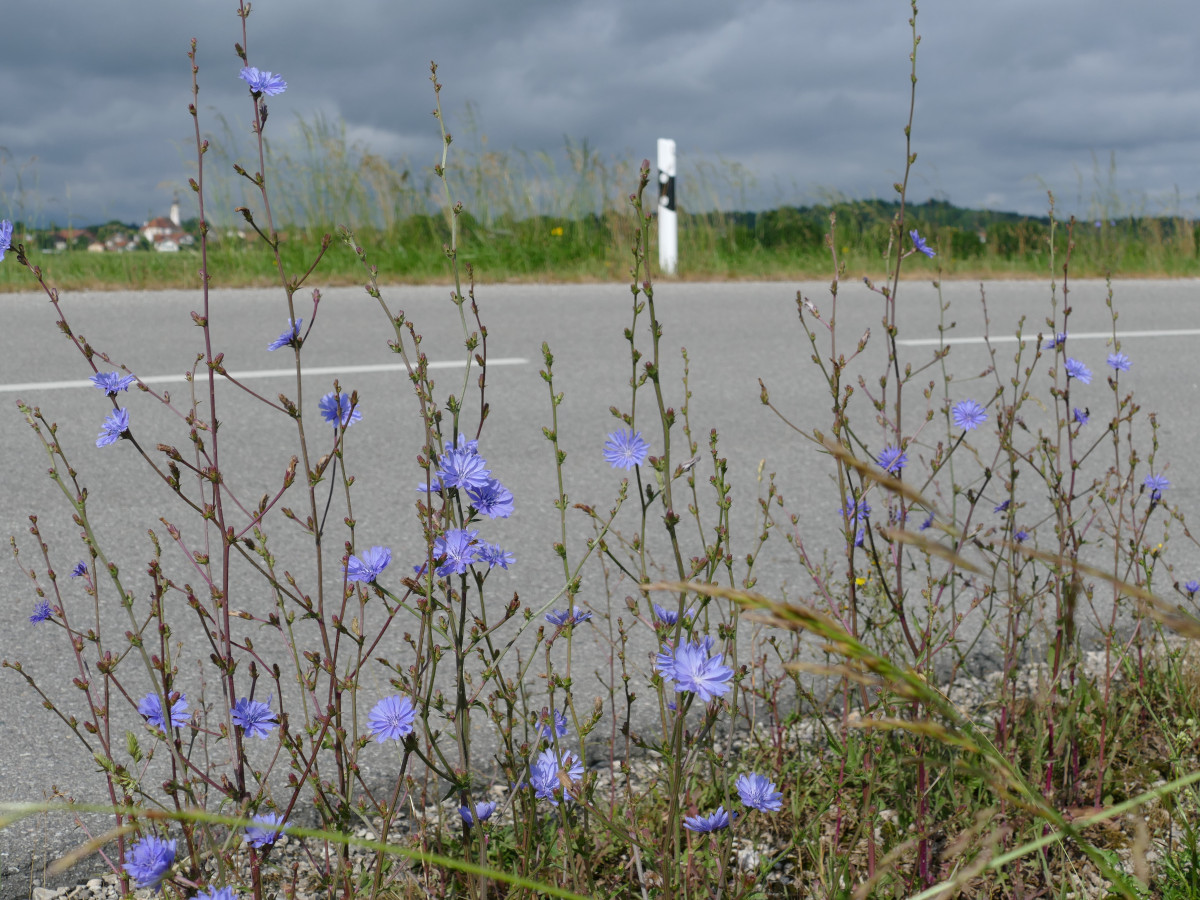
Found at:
(788, 101)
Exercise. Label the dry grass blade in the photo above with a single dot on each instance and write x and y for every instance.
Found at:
(83, 851)
(933, 548)
(1005, 779)
(1171, 616)
(871, 472)
(1161, 611)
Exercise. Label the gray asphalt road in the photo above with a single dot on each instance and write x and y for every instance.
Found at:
(734, 333)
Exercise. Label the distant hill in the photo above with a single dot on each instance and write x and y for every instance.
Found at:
(860, 215)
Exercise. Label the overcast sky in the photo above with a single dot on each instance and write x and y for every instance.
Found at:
(808, 96)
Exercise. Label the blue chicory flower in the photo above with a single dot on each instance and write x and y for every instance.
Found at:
(216, 893)
(80, 569)
(458, 546)
(625, 449)
(150, 708)
(111, 382)
(855, 510)
(392, 718)
(1157, 484)
(552, 722)
(1002, 507)
(370, 566)
(1192, 586)
(758, 792)
(262, 82)
(492, 499)
(149, 859)
(919, 244)
(561, 617)
(968, 415)
(484, 810)
(1077, 370)
(1119, 361)
(692, 669)
(462, 466)
(493, 556)
(928, 523)
(255, 718)
(670, 616)
(1055, 342)
(290, 336)
(114, 426)
(1021, 536)
(1081, 415)
(5, 237)
(892, 459)
(265, 831)
(717, 821)
(543, 774)
(336, 409)
(41, 612)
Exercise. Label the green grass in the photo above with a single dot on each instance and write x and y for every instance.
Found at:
(784, 244)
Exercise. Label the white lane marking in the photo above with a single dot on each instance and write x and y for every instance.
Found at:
(1071, 336)
(264, 373)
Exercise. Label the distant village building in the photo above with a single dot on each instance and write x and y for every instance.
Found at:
(68, 236)
(118, 242)
(158, 228)
(165, 234)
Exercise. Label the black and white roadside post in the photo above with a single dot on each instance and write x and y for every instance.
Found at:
(668, 225)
